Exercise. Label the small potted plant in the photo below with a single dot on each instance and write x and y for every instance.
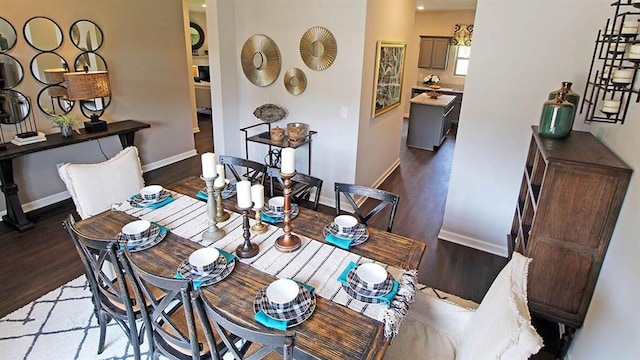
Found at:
(65, 122)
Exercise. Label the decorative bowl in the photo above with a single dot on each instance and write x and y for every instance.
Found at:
(282, 293)
(371, 275)
(136, 231)
(204, 260)
(151, 192)
(297, 131)
(346, 223)
(276, 204)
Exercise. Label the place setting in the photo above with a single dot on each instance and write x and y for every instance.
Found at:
(141, 235)
(228, 191)
(369, 283)
(152, 196)
(345, 231)
(284, 304)
(206, 266)
(274, 212)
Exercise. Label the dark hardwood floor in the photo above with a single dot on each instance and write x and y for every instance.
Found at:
(38, 261)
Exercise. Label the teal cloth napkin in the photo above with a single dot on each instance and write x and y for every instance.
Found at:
(272, 323)
(196, 284)
(229, 257)
(307, 286)
(202, 196)
(343, 277)
(163, 229)
(159, 204)
(269, 219)
(341, 243)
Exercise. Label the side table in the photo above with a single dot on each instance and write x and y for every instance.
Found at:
(15, 216)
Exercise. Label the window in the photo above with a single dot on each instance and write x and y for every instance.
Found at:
(462, 60)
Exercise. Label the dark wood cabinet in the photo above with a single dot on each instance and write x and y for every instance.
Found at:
(570, 197)
(434, 52)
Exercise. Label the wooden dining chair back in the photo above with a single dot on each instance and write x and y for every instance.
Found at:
(302, 187)
(257, 344)
(253, 171)
(385, 199)
(113, 296)
(174, 330)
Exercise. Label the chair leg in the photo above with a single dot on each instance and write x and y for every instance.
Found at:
(103, 319)
(133, 339)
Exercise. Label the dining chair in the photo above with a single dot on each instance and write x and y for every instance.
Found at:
(112, 296)
(257, 343)
(95, 187)
(384, 197)
(500, 328)
(173, 326)
(254, 171)
(302, 186)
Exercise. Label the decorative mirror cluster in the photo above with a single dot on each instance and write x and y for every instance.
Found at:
(318, 48)
(260, 59)
(8, 35)
(197, 36)
(42, 33)
(86, 35)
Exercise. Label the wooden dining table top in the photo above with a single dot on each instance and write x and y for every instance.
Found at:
(332, 332)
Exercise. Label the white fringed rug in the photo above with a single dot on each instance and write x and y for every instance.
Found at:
(61, 325)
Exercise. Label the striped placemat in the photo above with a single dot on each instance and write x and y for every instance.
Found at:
(315, 263)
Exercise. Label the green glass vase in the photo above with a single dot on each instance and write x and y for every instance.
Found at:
(557, 116)
(570, 95)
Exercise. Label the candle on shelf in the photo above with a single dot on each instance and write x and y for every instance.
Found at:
(622, 76)
(610, 106)
(288, 161)
(634, 52)
(629, 27)
(257, 196)
(243, 194)
(220, 180)
(208, 165)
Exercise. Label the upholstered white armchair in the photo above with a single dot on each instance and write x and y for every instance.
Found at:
(95, 187)
(500, 328)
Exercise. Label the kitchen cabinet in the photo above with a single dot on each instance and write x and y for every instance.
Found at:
(429, 121)
(570, 197)
(434, 52)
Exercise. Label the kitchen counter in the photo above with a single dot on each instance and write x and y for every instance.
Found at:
(458, 89)
(442, 100)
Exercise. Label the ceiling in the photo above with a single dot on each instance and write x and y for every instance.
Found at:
(196, 5)
(447, 4)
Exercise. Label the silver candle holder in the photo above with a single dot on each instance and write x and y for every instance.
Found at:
(213, 233)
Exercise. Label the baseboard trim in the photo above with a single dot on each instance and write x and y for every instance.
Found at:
(170, 160)
(385, 174)
(196, 129)
(472, 243)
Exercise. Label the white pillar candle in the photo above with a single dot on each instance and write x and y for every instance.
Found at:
(288, 160)
(610, 106)
(208, 165)
(219, 182)
(243, 194)
(257, 196)
(634, 52)
(622, 76)
(629, 27)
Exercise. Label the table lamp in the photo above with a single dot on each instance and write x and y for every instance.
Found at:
(88, 85)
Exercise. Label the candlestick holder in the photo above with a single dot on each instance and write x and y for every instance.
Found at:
(247, 249)
(259, 227)
(213, 233)
(287, 242)
(221, 215)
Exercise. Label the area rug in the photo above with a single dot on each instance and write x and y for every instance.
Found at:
(61, 325)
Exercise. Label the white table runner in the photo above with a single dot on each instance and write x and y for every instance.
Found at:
(315, 263)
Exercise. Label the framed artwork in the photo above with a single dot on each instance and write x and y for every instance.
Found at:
(389, 72)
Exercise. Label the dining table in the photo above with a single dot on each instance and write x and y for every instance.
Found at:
(339, 327)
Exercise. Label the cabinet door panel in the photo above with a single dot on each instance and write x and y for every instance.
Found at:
(578, 205)
(426, 48)
(440, 54)
(561, 275)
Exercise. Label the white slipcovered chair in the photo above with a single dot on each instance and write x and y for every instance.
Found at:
(95, 187)
(500, 328)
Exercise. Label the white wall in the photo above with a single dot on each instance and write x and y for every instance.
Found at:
(147, 64)
(285, 21)
(379, 138)
(522, 50)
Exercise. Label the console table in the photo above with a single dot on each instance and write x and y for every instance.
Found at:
(15, 216)
(274, 154)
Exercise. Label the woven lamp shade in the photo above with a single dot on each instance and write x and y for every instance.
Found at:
(54, 76)
(87, 85)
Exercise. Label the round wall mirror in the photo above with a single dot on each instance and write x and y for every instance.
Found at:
(260, 60)
(94, 106)
(93, 61)
(47, 67)
(295, 81)
(53, 98)
(14, 107)
(11, 72)
(86, 35)
(43, 33)
(318, 48)
(197, 36)
(8, 35)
